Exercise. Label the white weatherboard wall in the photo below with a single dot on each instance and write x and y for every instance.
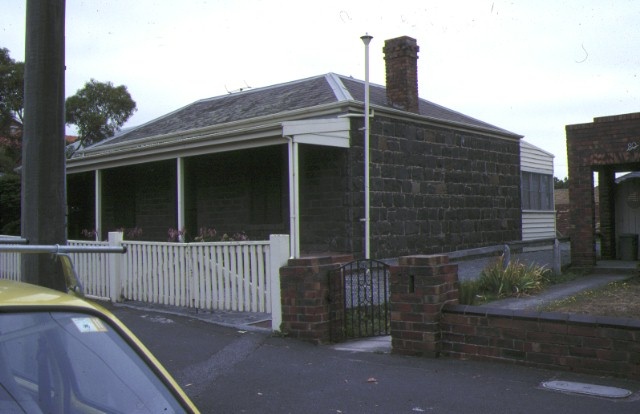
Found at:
(537, 224)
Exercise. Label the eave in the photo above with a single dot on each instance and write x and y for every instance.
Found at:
(255, 133)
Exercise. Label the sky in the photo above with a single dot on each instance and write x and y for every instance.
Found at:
(528, 66)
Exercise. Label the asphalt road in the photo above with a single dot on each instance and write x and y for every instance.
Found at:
(225, 370)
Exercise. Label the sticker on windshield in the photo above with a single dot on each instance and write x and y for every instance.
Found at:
(86, 325)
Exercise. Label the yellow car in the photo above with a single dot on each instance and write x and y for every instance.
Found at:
(62, 354)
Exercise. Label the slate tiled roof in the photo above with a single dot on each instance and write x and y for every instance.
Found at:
(278, 99)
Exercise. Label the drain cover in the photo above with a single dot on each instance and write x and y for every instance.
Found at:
(588, 389)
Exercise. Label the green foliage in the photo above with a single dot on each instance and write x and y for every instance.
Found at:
(11, 90)
(469, 291)
(558, 183)
(205, 234)
(11, 109)
(239, 236)
(10, 205)
(516, 279)
(99, 110)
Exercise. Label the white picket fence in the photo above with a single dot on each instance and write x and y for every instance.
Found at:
(229, 276)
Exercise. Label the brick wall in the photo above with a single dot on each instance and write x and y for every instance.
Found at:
(220, 186)
(140, 196)
(427, 321)
(561, 203)
(581, 343)
(419, 287)
(326, 203)
(80, 204)
(304, 287)
(435, 190)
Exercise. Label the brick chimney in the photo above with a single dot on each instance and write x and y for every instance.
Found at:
(401, 59)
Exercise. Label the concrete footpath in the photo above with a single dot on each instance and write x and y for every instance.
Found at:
(228, 363)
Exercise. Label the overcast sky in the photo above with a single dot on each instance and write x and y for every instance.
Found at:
(530, 67)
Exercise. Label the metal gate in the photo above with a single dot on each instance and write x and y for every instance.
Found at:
(360, 300)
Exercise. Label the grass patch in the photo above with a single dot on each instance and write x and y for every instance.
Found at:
(616, 299)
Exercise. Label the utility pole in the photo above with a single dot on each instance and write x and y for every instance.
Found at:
(43, 160)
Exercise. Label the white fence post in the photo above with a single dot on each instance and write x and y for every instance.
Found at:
(278, 256)
(115, 268)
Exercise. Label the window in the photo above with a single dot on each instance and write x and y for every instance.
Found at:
(537, 191)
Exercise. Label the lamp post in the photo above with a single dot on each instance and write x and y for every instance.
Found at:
(366, 39)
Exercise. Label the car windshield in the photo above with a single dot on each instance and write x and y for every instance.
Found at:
(55, 362)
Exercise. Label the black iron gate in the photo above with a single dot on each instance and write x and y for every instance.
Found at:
(360, 300)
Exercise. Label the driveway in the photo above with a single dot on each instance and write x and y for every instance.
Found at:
(227, 370)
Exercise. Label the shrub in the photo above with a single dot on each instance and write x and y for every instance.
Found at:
(205, 234)
(515, 279)
(10, 204)
(468, 292)
(176, 235)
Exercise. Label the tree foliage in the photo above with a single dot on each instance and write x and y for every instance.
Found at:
(11, 110)
(11, 89)
(10, 205)
(99, 110)
(558, 183)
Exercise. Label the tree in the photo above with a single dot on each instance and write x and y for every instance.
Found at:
(11, 90)
(10, 205)
(99, 110)
(558, 183)
(11, 110)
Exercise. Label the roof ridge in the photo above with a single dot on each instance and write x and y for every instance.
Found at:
(340, 91)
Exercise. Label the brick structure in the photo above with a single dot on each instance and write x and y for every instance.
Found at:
(304, 285)
(580, 343)
(434, 190)
(426, 320)
(420, 286)
(561, 203)
(606, 145)
(401, 56)
(147, 189)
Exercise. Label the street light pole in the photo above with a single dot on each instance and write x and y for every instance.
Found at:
(366, 39)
